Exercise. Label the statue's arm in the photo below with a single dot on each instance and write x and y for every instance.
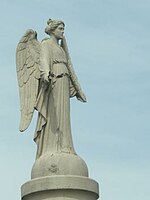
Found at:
(45, 60)
(74, 80)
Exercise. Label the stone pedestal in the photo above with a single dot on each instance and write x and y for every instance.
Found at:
(60, 176)
(59, 164)
(61, 187)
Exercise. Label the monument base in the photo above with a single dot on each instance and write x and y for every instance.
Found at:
(59, 164)
(60, 187)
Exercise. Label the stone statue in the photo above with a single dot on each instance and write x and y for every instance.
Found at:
(46, 82)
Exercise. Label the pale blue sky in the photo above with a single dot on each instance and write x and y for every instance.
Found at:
(109, 42)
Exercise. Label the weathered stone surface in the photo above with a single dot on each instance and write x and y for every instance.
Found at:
(59, 164)
(47, 80)
(60, 188)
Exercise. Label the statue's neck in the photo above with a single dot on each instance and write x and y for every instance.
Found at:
(54, 39)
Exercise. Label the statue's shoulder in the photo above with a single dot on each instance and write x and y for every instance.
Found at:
(45, 40)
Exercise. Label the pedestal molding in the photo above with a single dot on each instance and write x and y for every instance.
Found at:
(61, 182)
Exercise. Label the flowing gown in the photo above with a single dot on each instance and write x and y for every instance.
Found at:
(53, 130)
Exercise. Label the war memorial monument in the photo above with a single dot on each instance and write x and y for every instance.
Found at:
(47, 81)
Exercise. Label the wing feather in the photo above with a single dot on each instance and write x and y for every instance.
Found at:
(28, 73)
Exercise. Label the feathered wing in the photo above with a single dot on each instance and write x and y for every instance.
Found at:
(28, 73)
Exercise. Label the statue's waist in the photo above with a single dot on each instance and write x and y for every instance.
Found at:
(51, 75)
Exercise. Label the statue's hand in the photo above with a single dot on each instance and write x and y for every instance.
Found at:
(81, 96)
(45, 78)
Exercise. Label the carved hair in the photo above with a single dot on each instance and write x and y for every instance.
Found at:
(52, 25)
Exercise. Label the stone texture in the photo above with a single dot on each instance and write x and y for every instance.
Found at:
(59, 164)
(60, 188)
(47, 81)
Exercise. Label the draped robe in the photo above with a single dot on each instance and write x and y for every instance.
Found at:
(53, 130)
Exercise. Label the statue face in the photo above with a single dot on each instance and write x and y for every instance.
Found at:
(59, 31)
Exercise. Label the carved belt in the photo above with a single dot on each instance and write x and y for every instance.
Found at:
(58, 76)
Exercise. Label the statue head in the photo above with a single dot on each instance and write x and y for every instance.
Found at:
(52, 26)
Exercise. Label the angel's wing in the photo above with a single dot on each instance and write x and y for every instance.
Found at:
(27, 63)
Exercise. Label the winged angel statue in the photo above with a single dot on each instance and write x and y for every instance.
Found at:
(47, 80)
